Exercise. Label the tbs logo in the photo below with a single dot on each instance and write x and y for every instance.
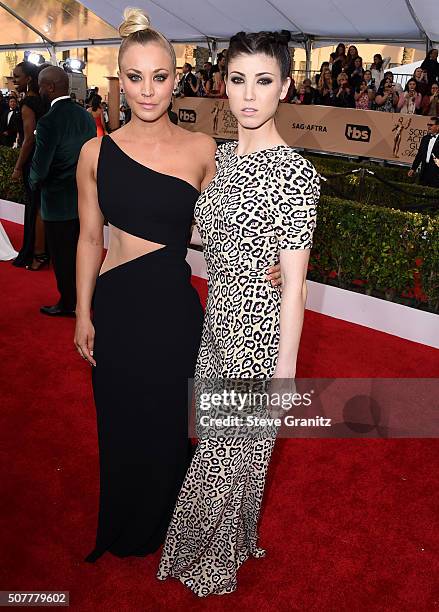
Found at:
(187, 116)
(358, 132)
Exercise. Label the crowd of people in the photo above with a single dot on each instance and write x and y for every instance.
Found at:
(343, 81)
(208, 82)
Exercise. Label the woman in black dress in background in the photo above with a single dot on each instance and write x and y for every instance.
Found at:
(33, 252)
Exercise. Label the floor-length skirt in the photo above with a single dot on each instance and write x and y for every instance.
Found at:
(214, 528)
(148, 321)
(7, 251)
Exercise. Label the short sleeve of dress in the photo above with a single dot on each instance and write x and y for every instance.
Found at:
(223, 152)
(294, 190)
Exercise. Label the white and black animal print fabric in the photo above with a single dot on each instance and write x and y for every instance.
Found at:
(256, 205)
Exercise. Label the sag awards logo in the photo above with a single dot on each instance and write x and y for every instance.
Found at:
(186, 115)
(358, 133)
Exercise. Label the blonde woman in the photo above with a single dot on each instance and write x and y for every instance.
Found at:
(143, 338)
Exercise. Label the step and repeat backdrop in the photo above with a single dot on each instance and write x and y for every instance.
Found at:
(388, 136)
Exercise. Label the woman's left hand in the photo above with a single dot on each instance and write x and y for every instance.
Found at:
(436, 161)
(17, 175)
(274, 276)
(280, 390)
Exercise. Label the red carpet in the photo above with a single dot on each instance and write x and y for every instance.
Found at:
(349, 525)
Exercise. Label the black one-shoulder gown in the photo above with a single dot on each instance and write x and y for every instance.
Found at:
(148, 321)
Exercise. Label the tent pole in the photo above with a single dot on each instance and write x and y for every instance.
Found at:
(52, 53)
(428, 45)
(417, 22)
(308, 50)
(214, 51)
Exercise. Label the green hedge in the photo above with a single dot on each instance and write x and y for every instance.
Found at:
(325, 164)
(368, 190)
(357, 246)
(381, 247)
(10, 190)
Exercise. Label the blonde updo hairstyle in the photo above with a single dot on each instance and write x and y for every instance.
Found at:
(136, 29)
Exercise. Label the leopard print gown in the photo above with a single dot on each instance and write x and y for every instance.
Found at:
(255, 205)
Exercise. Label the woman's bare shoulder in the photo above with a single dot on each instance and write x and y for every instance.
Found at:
(197, 142)
(88, 158)
(90, 149)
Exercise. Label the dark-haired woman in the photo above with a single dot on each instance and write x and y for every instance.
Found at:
(98, 115)
(364, 96)
(355, 73)
(421, 79)
(33, 253)
(218, 89)
(410, 100)
(260, 206)
(431, 66)
(369, 80)
(378, 67)
(430, 103)
(386, 98)
(351, 56)
(204, 84)
(339, 62)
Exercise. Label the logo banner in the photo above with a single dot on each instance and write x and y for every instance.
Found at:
(388, 136)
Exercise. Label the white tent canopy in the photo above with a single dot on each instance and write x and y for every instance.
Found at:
(388, 21)
(68, 23)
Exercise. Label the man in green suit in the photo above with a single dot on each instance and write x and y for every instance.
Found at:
(60, 135)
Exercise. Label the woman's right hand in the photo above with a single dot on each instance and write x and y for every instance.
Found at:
(84, 338)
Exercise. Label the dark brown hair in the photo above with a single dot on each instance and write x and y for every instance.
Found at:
(30, 70)
(273, 44)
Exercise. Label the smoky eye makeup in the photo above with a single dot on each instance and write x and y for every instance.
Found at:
(262, 81)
